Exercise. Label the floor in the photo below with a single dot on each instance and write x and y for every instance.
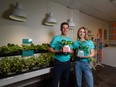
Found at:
(103, 77)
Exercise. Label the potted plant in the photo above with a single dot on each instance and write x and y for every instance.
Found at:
(82, 49)
(66, 45)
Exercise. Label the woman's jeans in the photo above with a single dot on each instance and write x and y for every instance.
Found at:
(60, 73)
(85, 68)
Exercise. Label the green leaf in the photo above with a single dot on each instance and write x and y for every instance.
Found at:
(91, 59)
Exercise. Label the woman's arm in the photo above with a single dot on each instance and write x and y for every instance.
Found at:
(92, 53)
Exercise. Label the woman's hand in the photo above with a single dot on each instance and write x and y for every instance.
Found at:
(82, 56)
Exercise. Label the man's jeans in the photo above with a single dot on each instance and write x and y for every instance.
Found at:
(61, 72)
(85, 68)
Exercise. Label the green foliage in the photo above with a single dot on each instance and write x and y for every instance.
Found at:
(43, 47)
(18, 64)
(82, 47)
(86, 49)
(10, 49)
(27, 47)
(64, 42)
(14, 49)
(92, 60)
(45, 59)
(4, 50)
(29, 63)
(5, 66)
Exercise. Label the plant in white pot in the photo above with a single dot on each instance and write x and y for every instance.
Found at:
(66, 45)
(84, 48)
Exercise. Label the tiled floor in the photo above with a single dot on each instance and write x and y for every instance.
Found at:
(103, 77)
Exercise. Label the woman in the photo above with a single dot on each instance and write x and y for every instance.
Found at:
(84, 49)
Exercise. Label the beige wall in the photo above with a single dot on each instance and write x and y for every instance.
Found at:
(14, 31)
(109, 56)
(92, 24)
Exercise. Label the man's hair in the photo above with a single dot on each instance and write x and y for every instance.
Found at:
(64, 23)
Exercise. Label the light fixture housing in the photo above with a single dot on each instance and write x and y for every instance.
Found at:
(50, 20)
(71, 22)
(18, 13)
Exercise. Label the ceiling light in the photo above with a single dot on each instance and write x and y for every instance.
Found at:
(18, 13)
(71, 22)
(50, 19)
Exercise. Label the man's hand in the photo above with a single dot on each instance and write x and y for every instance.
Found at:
(66, 49)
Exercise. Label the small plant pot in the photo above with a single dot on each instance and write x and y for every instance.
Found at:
(80, 53)
(66, 48)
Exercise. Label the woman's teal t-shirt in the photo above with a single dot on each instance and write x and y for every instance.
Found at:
(85, 46)
(57, 45)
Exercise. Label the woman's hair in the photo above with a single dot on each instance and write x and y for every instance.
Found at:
(86, 33)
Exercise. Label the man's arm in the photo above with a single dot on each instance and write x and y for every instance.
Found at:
(59, 51)
(54, 51)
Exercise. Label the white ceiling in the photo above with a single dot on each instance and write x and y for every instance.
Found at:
(102, 9)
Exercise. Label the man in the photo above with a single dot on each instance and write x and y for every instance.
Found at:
(61, 69)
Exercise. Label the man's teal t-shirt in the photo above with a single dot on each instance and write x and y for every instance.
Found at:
(57, 45)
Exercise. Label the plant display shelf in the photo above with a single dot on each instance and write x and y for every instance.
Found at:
(24, 76)
(99, 48)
